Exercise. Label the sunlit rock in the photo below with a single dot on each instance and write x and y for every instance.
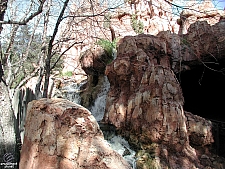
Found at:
(61, 134)
(145, 103)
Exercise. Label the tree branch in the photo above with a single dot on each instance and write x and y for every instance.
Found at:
(26, 20)
(92, 15)
(64, 53)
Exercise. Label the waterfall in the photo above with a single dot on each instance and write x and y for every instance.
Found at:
(72, 92)
(98, 109)
(119, 144)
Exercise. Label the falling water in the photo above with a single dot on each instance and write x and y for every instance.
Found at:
(72, 92)
(98, 108)
(119, 144)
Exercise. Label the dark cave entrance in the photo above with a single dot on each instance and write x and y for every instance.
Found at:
(204, 95)
(204, 91)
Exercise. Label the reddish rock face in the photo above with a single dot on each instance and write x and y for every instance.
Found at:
(202, 45)
(145, 102)
(204, 11)
(60, 134)
(94, 60)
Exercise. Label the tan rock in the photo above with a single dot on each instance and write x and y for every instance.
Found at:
(145, 101)
(61, 134)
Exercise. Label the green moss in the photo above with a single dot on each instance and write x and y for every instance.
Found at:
(185, 41)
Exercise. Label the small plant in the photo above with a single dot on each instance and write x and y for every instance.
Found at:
(137, 26)
(108, 46)
(67, 74)
(185, 41)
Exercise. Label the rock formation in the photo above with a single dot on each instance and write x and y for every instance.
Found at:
(194, 12)
(145, 103)
(203, 44)
(93, 62)
(61, 134)
(155, 16)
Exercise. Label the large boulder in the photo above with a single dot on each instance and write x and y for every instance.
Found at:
(61, 134)
(145, 103)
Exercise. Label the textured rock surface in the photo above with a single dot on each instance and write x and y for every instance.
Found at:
(204, 11)
(94, 60)
(60, 134)
(203, 44)
(145, 103)
(155, 15)
(199, 130)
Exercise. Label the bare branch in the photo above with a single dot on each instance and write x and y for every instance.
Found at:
(34, 73)
(92, 15)
(26, 20)
(64, 53)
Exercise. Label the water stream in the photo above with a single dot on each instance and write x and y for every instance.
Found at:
(117, 143)
(98, 108)
(72, 92)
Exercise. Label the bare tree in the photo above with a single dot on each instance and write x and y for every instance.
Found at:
(9, 131)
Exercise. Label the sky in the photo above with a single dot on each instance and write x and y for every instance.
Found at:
(220, 4)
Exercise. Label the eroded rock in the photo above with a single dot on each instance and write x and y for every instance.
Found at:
(94, 60)
(145, 103)
(61, 134)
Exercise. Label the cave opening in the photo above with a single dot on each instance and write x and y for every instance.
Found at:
(203, 89)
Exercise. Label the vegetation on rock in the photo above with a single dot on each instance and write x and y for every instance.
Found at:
(109, 47)
(137, 25)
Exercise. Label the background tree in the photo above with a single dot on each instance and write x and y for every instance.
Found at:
(9, 130)
(31, 47)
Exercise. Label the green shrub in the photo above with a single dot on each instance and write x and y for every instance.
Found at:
(108, 46)
(67, 74)
(137, 26)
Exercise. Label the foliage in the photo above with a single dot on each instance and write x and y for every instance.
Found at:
(146, 159)
(137, 26)
(108, 46)
(185, 41)
(67, 74)
(24, 60)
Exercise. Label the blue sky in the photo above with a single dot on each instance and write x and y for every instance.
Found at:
(220, 4)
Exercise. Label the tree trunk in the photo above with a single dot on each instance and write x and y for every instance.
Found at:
(8, 145)
(49, 53)
(9, 154)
